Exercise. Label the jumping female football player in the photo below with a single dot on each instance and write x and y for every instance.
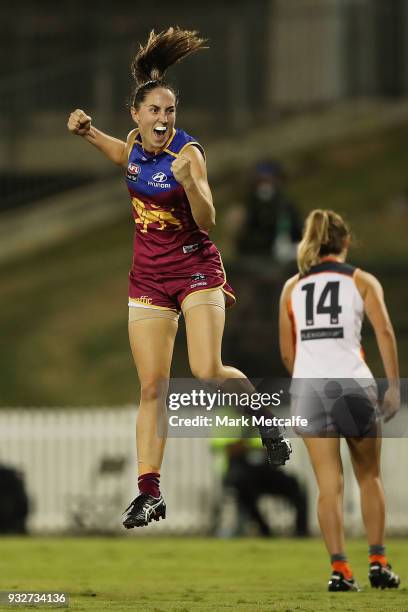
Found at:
(175, 265)
(321, 313)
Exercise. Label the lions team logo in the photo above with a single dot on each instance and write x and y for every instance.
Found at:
(198, 279)
(133, 171)
(197, 276)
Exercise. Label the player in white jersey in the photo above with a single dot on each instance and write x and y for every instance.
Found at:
(321, 312)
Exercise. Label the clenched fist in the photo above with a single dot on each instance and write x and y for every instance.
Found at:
(391, 404)
(79, 123)
(181, 168)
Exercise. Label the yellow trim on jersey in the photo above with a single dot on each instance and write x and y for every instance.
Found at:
(167, 144)
(225, 277)
(144, 305)
(170, 153)
(132, 141)
(193, 143)
(188, 144)
(136, 133)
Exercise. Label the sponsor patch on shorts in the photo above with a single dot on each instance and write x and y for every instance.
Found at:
(197, 276)
(199, 280)
(190, 248)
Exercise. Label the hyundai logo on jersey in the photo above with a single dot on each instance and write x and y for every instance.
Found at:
(159, 180)
(159, 177)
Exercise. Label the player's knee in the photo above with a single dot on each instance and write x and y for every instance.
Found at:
(207, 370)
(369, 476)
(331, 489)
(153, 389)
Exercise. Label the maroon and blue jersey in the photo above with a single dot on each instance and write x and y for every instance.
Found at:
(169, 247)
(165, 230)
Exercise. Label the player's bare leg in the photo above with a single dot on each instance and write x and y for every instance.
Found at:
(152, 343)
(326, 461)
(365, 456)
(205, 327)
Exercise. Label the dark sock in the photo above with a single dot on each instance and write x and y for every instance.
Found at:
(376, 549)
(149, 484)
(338, 557)
(376, 553)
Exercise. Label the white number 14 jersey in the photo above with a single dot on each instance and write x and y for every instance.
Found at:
(327, 312)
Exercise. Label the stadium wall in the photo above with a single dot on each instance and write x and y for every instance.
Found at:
(79, 469)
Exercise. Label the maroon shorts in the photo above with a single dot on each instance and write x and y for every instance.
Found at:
(169, 289)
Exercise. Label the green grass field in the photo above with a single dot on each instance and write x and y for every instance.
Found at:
(183, 574)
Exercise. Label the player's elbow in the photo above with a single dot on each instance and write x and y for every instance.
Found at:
(118, 155)
(208, 226)
(287, 357)
(118, 160)
(385, 330)
(207, 223)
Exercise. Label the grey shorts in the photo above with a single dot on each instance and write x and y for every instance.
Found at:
(336, 408)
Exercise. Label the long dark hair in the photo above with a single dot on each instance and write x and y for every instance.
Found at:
(161, 51)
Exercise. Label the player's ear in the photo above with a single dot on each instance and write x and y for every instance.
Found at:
(135, 114)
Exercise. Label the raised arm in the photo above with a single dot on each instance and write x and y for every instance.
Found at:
(80, 124)
(287, 339)
(377, 313)
(190, 171)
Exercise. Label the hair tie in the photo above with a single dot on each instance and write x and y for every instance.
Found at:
(151, 82)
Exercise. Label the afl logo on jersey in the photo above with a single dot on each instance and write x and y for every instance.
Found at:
(159, 177)
(133, 171)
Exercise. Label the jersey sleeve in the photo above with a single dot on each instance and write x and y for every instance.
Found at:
(183, 140)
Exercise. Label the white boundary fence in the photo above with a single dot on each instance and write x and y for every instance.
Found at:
(79, 467)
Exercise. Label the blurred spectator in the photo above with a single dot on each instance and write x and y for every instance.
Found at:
(271, 224)
(248, 477)
(13, 501)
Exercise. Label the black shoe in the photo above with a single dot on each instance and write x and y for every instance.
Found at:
(278, 448)
(143, 509)
(382, 576)
(338, 582)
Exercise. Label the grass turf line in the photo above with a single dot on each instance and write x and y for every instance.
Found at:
(183, 574)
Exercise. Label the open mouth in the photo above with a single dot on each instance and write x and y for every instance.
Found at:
(159, 131)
